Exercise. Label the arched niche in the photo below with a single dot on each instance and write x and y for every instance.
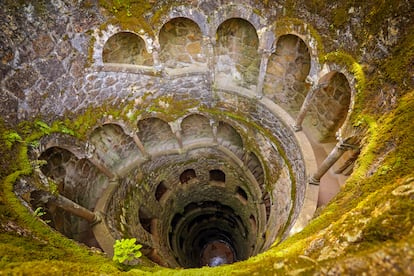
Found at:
(180, 42)
(196, 127)
(227, 134)
(113, 147)
(255, 167)
(76, 179)
(217, 176)
(330, 106)
(56, 161)
(187, 175)
(237, 58)
(156, 135)
(286, 73)
(126, 48)
(160, 190)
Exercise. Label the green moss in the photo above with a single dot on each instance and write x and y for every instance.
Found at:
(340, 17)
(89, 60)
(128, 14)
(377, 11)
(398, 67)
(131, 14)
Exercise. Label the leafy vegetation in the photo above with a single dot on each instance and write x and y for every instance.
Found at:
(126, 250)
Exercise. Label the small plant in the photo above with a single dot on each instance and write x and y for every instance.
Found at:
(43, 127)
(126, 250)
(39, 212)
(10, 138)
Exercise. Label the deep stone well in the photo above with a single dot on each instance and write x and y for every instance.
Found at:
(210, 132)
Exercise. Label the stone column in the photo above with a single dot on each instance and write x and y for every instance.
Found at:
(139, 145)
(209, 44)
(176, 129)
(156, 57)
(214, 129)
(262, 72)
(333, 156)
(71, 207)
(306, 104)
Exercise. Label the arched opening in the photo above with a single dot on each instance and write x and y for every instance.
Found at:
(113, 147)
(128, 48)
(268, 205)
(195, 128)
(236, 49)
(217, 175)
(287, 70)
(145, 219)
(242, 195)
(160, 191)
(77, 180)
(181, 43)
(187, 175)
(156, 135)
(329, 107)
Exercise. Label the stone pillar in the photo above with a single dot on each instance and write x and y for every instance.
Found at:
(262, 72)
(210, 44)
(214, 129)
(71, 207)
(156, 57)
(306, 104)
(333, 156)
(139, 145)
(176, 129)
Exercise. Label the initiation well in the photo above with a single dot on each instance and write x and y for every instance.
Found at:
(210, 132)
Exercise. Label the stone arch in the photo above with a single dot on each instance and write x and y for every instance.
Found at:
(78, 180)
(309, 36)
(127, 48)
(330, 106)
(256, 168)
(226, 133)
(156, 135)
(242, 195)
(63, 141)
(287, 70)
(217, 176)
(186, 12)
(113, 147)
(196, 127)
(180, 42)
(236, 52)
(160, 190)
(187, 175)
(244, 12)
(353, 84)
(56, 158)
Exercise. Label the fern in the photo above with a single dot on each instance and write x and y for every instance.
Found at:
(43, 127)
